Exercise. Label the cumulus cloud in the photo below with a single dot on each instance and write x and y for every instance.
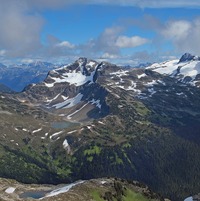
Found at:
(55, 48)
(130, 42)
(21, 25)
(106, 42)
(20, 32)
(109, 43)
(66, 44)
(176, 30)
(183, 34)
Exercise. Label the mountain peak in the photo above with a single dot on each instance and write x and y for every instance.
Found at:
(188, 57)
(82, 60)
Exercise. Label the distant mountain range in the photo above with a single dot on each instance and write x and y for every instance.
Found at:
(94, 119)
(16, 77)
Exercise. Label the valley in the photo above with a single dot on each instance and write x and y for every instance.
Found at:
(92, 119)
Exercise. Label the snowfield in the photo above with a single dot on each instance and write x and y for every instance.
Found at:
(69, 102)
(62, 190)
(173, 68)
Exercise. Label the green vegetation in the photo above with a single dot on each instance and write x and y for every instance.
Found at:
(90, 158)
(141, 109)
(133, 196)
(93, 150)
(118, 160)
(126, 145)
(96, 196)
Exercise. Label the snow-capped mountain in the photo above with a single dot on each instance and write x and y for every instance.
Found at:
(186, 70)
(79, 91)
(81, 88)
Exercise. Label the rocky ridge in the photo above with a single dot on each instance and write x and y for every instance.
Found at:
(107, 189)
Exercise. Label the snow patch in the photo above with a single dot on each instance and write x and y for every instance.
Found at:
(66, 146)
(56, 134)
(96, 102)
(49, 85)
(142, 75)
(180, 94)
(189, 199)
(70, 132)
(100, 122)
(64, 97)
(69, 102)
(133, 87)
(62, 190)
(50, 100)
(103, 182)
(161, 82)
(89, 127)
(10, 190)
(76, 78)
(152, 83)
(70, 115)
(35, 131)
(120, 73)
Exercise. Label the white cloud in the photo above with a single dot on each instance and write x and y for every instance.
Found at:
(104, 43)
(21, 25)
(20, 31)
(109, 56)
(2, 53)
(130, 42)
(177, 30)
(184, 35)
(66, 44)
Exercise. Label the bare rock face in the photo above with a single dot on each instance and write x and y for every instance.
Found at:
(188, 57)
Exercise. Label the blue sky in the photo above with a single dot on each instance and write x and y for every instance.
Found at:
(120, 31)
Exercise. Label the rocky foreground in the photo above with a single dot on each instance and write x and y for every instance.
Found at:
(109, 189)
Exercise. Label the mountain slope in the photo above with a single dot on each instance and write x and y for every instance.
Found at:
(186, 70)
(134, 124)
(5, 89)
(95, 190)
